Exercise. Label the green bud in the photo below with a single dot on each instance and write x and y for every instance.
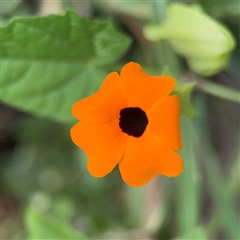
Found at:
(208, 67)
(193, 34)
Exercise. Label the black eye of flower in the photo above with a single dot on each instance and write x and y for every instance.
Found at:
(133, 121)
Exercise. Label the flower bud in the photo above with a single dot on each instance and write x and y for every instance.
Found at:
(193, 34)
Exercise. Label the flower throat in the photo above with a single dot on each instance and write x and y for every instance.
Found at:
(133, 121)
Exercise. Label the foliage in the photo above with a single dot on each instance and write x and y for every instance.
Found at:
(50, 62)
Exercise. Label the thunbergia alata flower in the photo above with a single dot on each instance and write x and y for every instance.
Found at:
(131, 122)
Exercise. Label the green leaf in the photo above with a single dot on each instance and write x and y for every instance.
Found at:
(40, 226)
(183, 91)
(49, 63)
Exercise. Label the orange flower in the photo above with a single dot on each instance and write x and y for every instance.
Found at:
(130, 121)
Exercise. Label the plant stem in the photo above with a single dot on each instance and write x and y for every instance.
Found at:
(188, 185)
(158, 16)
(159, 11)
(218, 90)
(161, 50)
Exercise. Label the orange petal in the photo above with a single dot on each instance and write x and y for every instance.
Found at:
(103, 106)
(164, 121)
(103, 144)
(143, 90)
(146, 157)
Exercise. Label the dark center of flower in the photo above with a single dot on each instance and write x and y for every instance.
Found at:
(133, 121)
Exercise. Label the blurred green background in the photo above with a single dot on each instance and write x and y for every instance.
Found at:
(46, 191)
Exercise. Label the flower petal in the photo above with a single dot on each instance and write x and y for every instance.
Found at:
(146, 157)
(103, 106)
(103, 144)
(164, 121)
(143, 90)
